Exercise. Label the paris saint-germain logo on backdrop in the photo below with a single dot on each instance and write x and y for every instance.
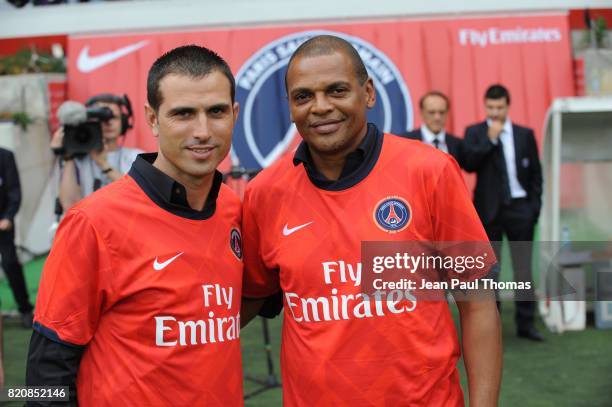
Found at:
(264, 130)
(392, 214)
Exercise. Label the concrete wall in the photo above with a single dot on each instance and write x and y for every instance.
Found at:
(28, 93)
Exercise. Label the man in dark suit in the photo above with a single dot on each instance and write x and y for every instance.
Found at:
(434, 112)
(10, 200)
(508, 192)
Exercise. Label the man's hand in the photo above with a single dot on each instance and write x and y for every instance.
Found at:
(249, 309)
(495, 129)
(57, 140)
(100, 158)
(5, 225)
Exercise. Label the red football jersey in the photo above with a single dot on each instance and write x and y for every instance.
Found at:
(153, 297)
(338, 347)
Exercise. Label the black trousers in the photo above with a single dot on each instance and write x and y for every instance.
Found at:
(13, 270)
(517, 222)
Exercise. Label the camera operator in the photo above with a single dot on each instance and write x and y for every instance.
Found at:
(85, 173)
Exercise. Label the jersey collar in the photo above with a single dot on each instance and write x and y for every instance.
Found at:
(169, 194)
(358, 165)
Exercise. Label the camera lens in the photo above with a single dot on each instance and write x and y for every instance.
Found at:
(82, 137)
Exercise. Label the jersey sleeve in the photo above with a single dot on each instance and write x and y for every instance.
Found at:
(457, 227)
(260, 281)
(75, 283)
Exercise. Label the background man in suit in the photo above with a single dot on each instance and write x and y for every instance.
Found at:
(434, 112)
(10, 200)
(508, 191)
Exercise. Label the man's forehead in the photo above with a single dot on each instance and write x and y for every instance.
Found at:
(212, 79)
(498, 101)
(172, 81)
(213, 85)
(328, 67)
(434, 101)
(110, 105)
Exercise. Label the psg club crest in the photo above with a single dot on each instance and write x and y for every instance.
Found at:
(393, 214)
(264, 131)
(236, 243)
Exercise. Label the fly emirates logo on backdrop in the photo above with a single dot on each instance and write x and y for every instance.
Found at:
(504, 36)
(200, 332)
(340, 306)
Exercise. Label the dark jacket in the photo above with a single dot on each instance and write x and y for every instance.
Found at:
(10, 188)
(454, 144)
(486, 160)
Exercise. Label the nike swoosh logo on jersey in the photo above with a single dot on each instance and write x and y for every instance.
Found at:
(87, 63)
(287, 231)
(160, 266)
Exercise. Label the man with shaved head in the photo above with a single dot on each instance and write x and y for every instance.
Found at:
(305, 219)
(327, 45)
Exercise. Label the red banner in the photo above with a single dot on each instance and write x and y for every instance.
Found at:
(57, 96)
(461, 57)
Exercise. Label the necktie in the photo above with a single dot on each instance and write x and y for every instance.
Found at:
(436, 143)
(506, 196)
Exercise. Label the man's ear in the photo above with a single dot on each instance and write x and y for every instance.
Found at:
(236, 111)
(152, 121)
(370, 93)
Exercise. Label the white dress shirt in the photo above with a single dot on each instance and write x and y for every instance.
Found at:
(429, 137)
(507, 139)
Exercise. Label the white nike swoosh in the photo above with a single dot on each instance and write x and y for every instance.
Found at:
(160, 266)
(287, 231)
(87, 63)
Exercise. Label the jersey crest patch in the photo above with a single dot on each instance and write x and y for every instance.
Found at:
(236, 243)
(392, 214)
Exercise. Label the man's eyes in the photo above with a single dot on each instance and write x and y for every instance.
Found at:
(301, 96)
(181, 114)
(339, 91)
(306, 96)
(217, 111)
(187, 114)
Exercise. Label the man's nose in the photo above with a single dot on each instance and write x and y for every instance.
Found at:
(321, 104)
(201, 129)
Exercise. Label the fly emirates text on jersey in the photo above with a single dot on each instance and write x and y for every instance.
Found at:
(202, 331)
(345, 299)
